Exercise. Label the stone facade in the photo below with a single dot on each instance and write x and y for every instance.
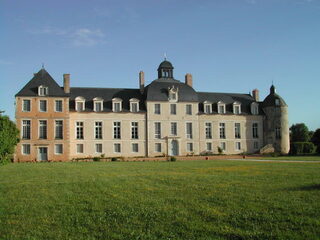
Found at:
(164, 118)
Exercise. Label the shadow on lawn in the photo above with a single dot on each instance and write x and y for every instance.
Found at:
(313, 187)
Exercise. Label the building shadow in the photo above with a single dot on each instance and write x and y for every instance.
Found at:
(312, 187)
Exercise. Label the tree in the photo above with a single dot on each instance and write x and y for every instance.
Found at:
(299, 133)
(316, 139)
(9, 137)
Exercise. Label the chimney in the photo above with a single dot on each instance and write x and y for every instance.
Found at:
(141, 81)
(188, 79)
(255, 94)
(66, 82)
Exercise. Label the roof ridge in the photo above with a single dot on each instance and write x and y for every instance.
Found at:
(104, 88)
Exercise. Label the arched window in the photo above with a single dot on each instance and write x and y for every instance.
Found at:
(42, 90)
(221, 107)
(80, 104)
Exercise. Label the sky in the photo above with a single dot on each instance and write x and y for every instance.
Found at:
(229, 46)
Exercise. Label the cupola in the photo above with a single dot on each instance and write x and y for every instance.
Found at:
(165, 69)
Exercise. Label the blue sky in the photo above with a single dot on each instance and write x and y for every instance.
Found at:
(228, 45)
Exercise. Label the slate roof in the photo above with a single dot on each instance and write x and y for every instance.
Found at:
(107, 94)
(165, 64)
(270, 101)
(228, 98)
(158, 90)
(42, 78)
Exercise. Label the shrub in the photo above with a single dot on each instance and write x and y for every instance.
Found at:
(96, 159)
(299, 148)
(220, 150)
(309, 148)
(173, 159)
(114, 159)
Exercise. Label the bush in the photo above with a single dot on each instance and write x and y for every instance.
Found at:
(114, 159)
(173, 159)
(300, 148)
(96, 159)
(220, 150)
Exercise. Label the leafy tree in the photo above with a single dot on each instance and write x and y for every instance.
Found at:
(299, 133)
(9, 137)
(316, 139)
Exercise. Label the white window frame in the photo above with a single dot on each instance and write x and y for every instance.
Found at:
(222, 127)
(205, 105)
(55, 105)
(134, 101)
(190, 147)
(115, 132)
(237, 127)
(156, 109)
(173, 126)
(96, 148)
(55, 149)
(43, 100)
(97, 101)
(237, 146)
(80, 100)
(23, 148)
(236, 105)
(43, 90)
(173, 94)
(82, 148)
(208, 125)
(80, 126)
(254, 108)
(22, 105)
(30, 126)
(46, 137)
(209, 144)
(155, 147)
(221, 104)
(114, 147)
(189, 135)
(95, 130)
(157, 132)
(55, 128)
(115, 102)
(135, 130)
(133, 148)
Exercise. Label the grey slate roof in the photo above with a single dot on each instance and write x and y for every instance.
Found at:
(228, 99)
(270, 101)
(42, 78)
(158, 90)
(165, 64)
(107, 94)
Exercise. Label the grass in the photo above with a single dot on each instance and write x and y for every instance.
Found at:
(160, 200)
(293, 158)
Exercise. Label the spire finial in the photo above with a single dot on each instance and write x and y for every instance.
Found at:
(42, 65)
(165, 56)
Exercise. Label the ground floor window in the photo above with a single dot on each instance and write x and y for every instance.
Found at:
(189, 147)
(135, 147)
(209, 146)
(25, 149)
(117, 148)
(238, 146)
(79, 148)
(223, 146)
(157, 147)
(58, 148)
(98, 148)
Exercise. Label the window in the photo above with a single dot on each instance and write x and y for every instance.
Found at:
(117, 148)
(135, 147)
(117, 130)
(278, 133)
(26, 105)
(59, 129)
(207, 107)
(256, 145)
(98, 148)
(209, 146)
(98, 105)
(174, 130)
(173, 95)
(208, 130)
(58, 149)
(26, 149)
(43, 105)
(222, 130)
(43, 129)
(238, 146)
(189, 109)
(79, 130)
(223, 146)
(134, 130)
(157, 109)
(255, 130)
(157, 147)
(116, 105)
(189, 130)
(277, 102)
(80, 104)
(237, 130)
(236, 108)
(254, 108)
(58, 106)
(42, 90)
(221, 108)
(173, 109)
(157, 130)
(134, 105)
(98, 130)
(79, 148)
(26, 129)
(189, 147)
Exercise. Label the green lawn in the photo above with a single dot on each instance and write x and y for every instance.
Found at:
(160, 200)
(293, 158)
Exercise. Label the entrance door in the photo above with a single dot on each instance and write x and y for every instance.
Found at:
(174, 148)
(43, 154)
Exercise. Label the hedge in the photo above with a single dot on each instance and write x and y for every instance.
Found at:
(299, 148)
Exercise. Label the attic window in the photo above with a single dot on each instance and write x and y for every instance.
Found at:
(236, 108)
(97, 104)
(42, 90)
(134, 105)
(254, 108)
(80, 104)
(207, 107)
(173, 94)
(221, 107)
(116, 104)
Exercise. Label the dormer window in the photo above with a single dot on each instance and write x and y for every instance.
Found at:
(277, 102)
(173, 94)
(42, 90)
(80, 104)
(236, 108)
(98, 104)
(207, 107)
(254, 108)
(116, 104)
(221, 107)
(134, 105)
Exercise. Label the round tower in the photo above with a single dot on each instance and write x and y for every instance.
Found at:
(276, 124)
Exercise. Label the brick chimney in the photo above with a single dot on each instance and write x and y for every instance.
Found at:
(255, 94)
(141, 81)
(188, 79)
(66, 82)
